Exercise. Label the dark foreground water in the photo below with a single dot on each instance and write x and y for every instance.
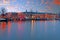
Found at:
(30, 30)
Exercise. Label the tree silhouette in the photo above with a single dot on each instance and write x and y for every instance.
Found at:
(3, 10)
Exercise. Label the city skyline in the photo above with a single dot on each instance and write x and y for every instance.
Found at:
(51, 6)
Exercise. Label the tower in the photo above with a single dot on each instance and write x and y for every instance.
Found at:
(26, 11)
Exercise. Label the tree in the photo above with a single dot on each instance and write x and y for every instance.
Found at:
(3, 10)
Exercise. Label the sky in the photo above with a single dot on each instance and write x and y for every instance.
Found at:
(51, 6)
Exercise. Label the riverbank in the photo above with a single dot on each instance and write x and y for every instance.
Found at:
(6, 20)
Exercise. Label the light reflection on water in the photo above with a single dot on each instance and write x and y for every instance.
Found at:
(30, 30)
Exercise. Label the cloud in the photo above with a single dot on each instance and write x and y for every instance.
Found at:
(1, 4)
(6, 1)
(43, 10)
(13, 8)
(28, 2)
(56, 2)
(14, 0)
(49, 8)
(42, 1)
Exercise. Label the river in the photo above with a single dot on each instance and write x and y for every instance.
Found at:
(30, 30)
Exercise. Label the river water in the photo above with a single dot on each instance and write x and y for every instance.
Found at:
(30, 30)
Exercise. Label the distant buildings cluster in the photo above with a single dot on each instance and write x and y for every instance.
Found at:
(28, 15)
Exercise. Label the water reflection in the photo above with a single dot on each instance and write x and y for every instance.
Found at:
(20, 28)
(45, 26)
(50, 24)
(32, 25)
(20, 32)
(54, 25)
(9, 27)
(30, 30)
(3, 26)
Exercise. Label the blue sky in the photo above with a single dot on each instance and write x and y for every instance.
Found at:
(51, 6)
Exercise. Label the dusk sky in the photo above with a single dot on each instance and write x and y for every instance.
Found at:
(51, 6)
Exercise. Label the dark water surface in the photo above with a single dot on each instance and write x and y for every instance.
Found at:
(30, 30)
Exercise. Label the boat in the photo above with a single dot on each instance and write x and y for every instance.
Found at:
(3, 20)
